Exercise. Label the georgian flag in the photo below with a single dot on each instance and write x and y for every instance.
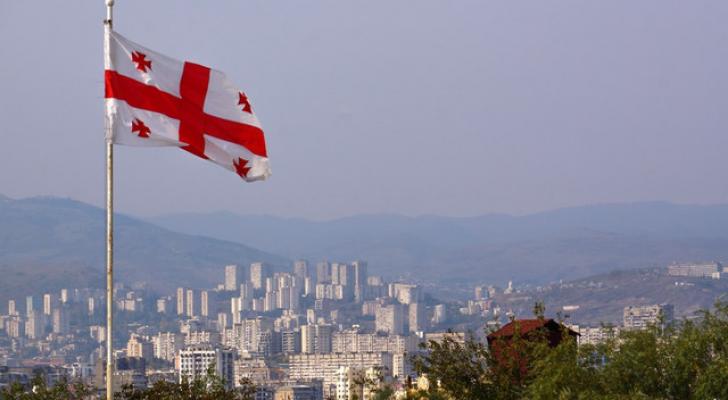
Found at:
(155, 100)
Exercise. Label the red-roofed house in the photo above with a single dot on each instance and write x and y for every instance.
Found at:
(529, 330)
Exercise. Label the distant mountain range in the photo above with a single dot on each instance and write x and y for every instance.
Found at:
(567, 243)
(47, 243)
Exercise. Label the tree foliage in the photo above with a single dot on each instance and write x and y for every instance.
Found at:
(685, 360)
(209, 387)
(62, 390)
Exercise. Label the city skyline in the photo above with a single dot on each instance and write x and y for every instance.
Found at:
(303, 326)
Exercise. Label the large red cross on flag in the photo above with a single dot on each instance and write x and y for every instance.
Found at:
(155, 100)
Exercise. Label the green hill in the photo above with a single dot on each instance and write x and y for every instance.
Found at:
(47, 243)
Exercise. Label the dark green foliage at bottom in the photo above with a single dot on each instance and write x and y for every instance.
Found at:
(684, 361)
(210, 387)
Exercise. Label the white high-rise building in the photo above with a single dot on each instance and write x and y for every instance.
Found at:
(417, 317)
(402, 367)
(390, 319)
(235, 309)
(167, 344)
(64, 296)
(181, 301)
(323, 272)
(207, 301)
(139, 347)
(48, 304)
(335, 280)
(283, 298)
(595, 335)
(352, 383)
(223, 322)
(360, 280)
(405, 293)
(300, 269)
(247, 291)
(342, 278)
(29, 305)
(15, 326)
(316, 339)
(91, 306)
(352, 341)
(640, 317)
(162, 305)
(258, 273)
(295, 299)
(193, 338)
(270, 285)
(11, 308)
(440, 314)
(233, 277)
(249, 336)
(192, 307)
(61, 324)
(698, 270)
(194, 363)
(308, 339)
(269, 301)
(326, 366)
(291, 342)
(98, 333)
(35, 326)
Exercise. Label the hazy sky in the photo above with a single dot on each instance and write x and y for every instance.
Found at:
(438, 107)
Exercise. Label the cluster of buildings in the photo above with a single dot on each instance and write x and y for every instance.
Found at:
(658, 315)
(314, 330)
(712, 270)
(634, 318)
(311, 332)
(42, 324)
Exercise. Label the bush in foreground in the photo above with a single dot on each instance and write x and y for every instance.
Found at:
(686, 360)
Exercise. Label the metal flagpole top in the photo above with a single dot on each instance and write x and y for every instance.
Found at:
(109, 12)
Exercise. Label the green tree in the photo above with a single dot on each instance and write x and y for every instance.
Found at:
(62, 390)
(455, 369)
(686, 360)
(209, 387)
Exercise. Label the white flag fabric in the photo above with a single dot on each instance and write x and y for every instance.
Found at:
(155, 100)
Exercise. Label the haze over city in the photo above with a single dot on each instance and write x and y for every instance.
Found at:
(411, 108)
(469, 200)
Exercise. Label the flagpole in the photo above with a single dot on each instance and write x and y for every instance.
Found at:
(109, 220)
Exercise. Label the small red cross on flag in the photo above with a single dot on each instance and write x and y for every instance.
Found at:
(139, 128)
(243, 100)
(140, 59)
(155, 100)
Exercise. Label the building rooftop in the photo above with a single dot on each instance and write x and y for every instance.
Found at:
(525, 326)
